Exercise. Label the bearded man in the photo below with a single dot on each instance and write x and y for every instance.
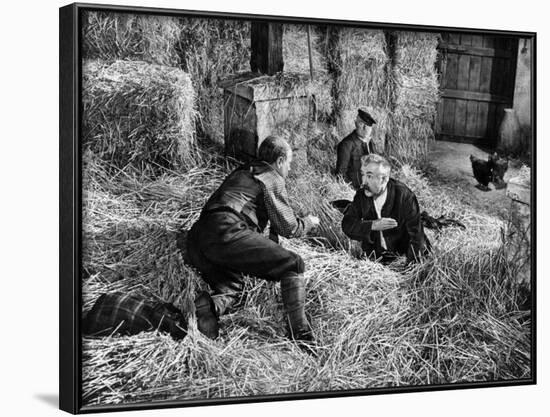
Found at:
(384, 215)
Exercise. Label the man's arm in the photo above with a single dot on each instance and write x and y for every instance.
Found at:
(352, 224)
(343, 155)
(281, 216)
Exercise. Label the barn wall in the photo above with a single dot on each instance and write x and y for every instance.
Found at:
(522, 92)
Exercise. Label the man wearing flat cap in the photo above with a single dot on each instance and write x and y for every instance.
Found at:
(350, 150)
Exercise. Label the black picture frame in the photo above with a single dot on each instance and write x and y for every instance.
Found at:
(70, 206)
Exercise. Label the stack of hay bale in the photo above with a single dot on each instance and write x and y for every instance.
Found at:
(296, 61)
(210, 51)
(320, 138)
(136, 112)
(206, 49)
(416, 93)
(359, 63)
(110, 36)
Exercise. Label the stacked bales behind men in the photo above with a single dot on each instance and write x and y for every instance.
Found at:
(416, 94)
(321, 138)
(296, 60)
(138, 113)
(113, 36)
(359, 64)
(210, 50)
(206, 49)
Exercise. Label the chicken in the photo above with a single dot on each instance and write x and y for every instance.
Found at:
(500, 166)
(483, 172)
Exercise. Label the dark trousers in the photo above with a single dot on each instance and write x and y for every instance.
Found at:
(223, 247)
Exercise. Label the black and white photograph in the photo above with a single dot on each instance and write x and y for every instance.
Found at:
(273, 208)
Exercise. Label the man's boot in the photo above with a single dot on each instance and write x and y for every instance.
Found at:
(207, 319)
(294, 296)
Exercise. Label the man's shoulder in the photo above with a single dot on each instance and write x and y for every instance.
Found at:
(359, 195)
(349, 139)
(400, 188)
(270, 178)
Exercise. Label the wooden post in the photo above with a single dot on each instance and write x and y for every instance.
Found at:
(266, 47)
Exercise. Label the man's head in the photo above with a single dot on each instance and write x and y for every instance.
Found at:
(363, 124)
(375, 173)
(277, 152)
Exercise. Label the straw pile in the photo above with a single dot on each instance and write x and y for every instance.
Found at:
(310, 193)
(321, 148)
(416, 95)
(210, 50)
(359, 64)
(138, 113)
(451, 319)
(111, 36)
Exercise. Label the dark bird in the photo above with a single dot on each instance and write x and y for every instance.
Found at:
(483, 172)
(500, 166)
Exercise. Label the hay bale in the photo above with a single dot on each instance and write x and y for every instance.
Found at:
(295, 50)
(296, 60)
(416, 95)
(112, 36)
(138, 113)
(210, 50)
(359, 63)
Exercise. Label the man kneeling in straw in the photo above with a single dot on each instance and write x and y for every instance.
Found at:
(227, 241)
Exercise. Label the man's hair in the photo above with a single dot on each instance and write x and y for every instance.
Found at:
(373, 158)
(272, 148)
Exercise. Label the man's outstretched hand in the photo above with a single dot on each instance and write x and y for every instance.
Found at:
(385, 223)
(314, 220)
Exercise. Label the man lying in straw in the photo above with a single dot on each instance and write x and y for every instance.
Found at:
(385, 215)
(227, 241)
(350, 150)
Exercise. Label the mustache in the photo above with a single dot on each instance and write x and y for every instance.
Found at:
(370, 192)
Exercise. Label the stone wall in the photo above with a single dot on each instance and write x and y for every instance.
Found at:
(522, 92)
(518, 247)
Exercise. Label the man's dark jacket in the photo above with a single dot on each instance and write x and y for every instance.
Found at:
(227, 240)
(401, 204)
(349, 153)
(242, 194)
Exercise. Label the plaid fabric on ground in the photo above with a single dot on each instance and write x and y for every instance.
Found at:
(130, 314)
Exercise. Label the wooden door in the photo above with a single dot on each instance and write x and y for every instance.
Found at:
(477, 84)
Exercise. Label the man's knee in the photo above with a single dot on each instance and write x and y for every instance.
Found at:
(300, 265)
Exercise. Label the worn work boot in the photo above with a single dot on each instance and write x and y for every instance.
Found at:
(294, 296)
(207, 319)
